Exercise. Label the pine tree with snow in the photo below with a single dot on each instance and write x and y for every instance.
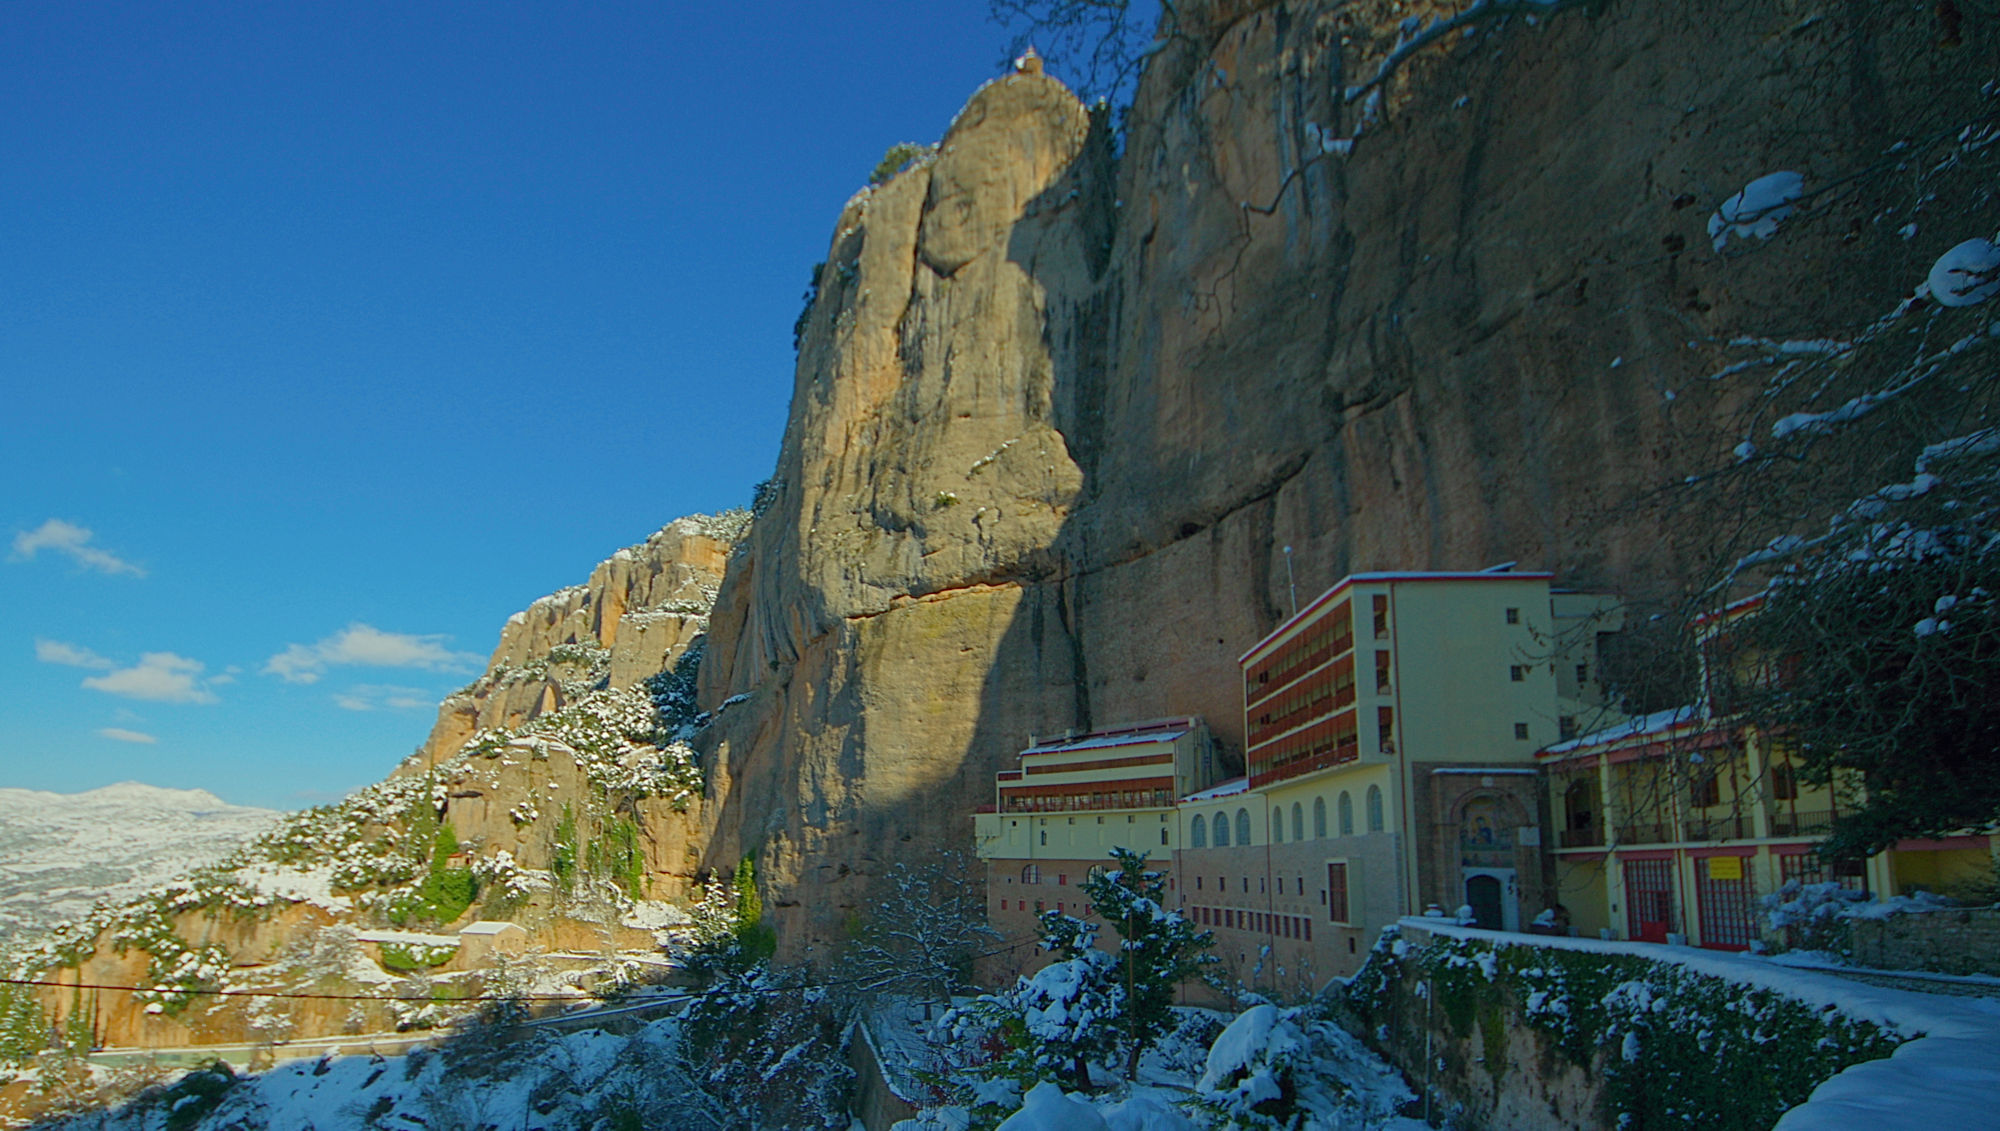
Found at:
(1158, 949)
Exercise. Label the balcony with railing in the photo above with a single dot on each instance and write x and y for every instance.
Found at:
(1645, 832)
(1801, 822)
(1589, 837)
(1720, 826)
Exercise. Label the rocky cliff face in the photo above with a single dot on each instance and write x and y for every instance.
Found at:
(1058, 413)
(561, 780)
(635, 617)
(922, 486)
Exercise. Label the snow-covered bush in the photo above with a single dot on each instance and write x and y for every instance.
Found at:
(1676, 1048)
(1293, 1068)
(1808, 916)
(1051, 1026)
(618, 740)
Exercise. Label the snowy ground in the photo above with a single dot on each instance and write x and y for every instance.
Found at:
(535, 1082)
(1187, 1081)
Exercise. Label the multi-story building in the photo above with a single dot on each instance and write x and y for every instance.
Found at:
(1391, 728)
(1673, 826)
(1074, 798)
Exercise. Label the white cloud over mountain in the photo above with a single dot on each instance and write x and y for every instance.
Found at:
(159, 676)
(362, 645)
(379, 697)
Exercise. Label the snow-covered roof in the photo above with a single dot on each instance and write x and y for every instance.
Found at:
(1659, 722)
(1229, 788)
(489, 927)
(1146, 738)
(407, 938)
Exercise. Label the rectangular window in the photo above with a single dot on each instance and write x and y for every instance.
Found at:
(1521, 731)
(1708, 792)
(1062, 879)
(1381, 673)
(1566, 727)
(1385, 729)
(1336, 887)
(1513, 616)
(1784, 783)
(1381, 617)
(1582, 674)
(1517, 672)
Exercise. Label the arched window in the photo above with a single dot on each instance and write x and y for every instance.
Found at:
(1346, 813)
(1243, 826)
(1222, 830)
(1319, 818)
(1298, 822)
(1374, 808)
(1198, 832)
(1032, 874)
(1277, 824)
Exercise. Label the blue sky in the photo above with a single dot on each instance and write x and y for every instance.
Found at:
(338, 332)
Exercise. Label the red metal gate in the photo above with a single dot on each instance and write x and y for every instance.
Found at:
(1724, 893)
(1649, 899)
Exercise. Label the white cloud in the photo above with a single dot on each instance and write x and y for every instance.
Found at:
(123, 735)
(69, 538)
(364, 645)
(57, 652)
(160, 676)
(379, 696)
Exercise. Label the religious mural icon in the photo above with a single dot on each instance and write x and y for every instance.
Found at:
(1483, 842)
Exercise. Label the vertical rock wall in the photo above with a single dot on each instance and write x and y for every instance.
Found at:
(1058, 414)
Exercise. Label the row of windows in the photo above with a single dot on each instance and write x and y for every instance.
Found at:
(1261, 922)
(1316, 747)
(1198, 830)
(1328, 637)
(1020, 802)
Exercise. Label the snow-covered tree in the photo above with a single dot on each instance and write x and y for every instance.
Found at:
(1855, 489)
(1051, 1025)
(926, 930)
(1091, 1005)
(767, 1042)
(1158, 949)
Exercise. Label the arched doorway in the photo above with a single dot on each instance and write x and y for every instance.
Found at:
(1487, 828)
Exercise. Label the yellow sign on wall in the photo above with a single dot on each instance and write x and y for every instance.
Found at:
(1725, 867)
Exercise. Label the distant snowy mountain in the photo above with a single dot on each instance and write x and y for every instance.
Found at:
(60, 853)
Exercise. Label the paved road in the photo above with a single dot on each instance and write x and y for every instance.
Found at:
(361, 1044)
(1915, 980)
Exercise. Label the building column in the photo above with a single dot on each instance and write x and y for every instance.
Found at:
(1753, 760)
